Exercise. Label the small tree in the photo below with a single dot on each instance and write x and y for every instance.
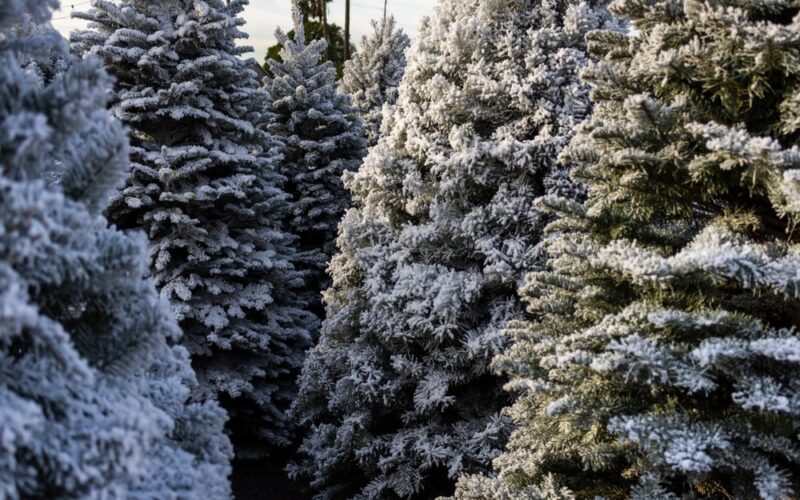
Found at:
(317, 27)
(398, 395)
(666, 360)
(93, 398)
(323, 139)
(372, 76)
(205, 188)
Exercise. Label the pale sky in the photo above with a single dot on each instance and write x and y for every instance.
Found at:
(263, 16)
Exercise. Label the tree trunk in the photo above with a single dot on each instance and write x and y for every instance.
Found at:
(325, 33)
(346, 30)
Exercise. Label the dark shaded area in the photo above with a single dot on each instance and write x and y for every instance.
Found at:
(265, 479)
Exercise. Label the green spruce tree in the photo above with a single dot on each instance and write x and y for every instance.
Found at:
(665, 361)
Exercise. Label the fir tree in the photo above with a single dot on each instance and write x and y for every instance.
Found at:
(205, 188)
(93, 398)
(315, 30)
(323, 139)
(315, 27)
(666, 359)
(398, 395)
(372, 76)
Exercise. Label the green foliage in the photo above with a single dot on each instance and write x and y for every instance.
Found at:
(664, 360)
(311, 8)
(315, 30)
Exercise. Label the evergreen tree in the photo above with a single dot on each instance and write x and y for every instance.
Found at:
(315, 27)
(315, 30)
(205, 188)
(398, 395)
(323, 138)
(93, 398)
(666, 361)
(372, 76)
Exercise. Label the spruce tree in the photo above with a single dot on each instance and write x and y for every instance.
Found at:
(399, 396)
(372, 76)
(316, 26)
(665, 361)
(323, 138)
(205, 188)
(93, 394)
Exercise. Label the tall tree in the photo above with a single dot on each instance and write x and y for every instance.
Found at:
(93, 397)
(371, 78)
(666, 360)
(323, 138)
(398, 395)
(206, 190)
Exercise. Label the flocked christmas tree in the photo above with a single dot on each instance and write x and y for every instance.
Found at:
(398, 395)
(205, 188)
(372, 76)
(666, 360)
(92, 395)
(323, 138)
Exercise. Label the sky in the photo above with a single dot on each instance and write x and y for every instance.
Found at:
(263, 16)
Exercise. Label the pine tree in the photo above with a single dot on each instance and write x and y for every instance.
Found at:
(93, 398)
(372, 76)
(666, 359)
(205, 188)
(398, 395)
(323, 139)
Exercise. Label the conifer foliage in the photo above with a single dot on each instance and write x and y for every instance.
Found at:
(205, 188)
(666, 360)
(372, 76)
(92, 395)
(323, 138)
(398, 395)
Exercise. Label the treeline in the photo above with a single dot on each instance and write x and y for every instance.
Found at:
(548, 251)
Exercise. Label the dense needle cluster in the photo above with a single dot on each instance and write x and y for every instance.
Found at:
(398, 393)
(372, 76)
(205, 187)
(93, 392)
(567, 267)
(665, 360)
(323, 138)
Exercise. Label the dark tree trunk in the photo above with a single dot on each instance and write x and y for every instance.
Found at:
(347, 30)
(323, 7)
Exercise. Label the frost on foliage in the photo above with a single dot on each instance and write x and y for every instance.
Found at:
(399, 396)
(204, 186)
(20, 12)
(372, 76)
(322, 137)
(93, 394)
(664, 359)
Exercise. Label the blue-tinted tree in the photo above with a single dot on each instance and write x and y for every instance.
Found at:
(204, 186)
(323, 138)
(93, 391)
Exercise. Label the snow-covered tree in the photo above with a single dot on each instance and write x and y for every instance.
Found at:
(93, 394)
(398, 395)
(372, 76)
(205, 188)
(665, 362)
(323, 138)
